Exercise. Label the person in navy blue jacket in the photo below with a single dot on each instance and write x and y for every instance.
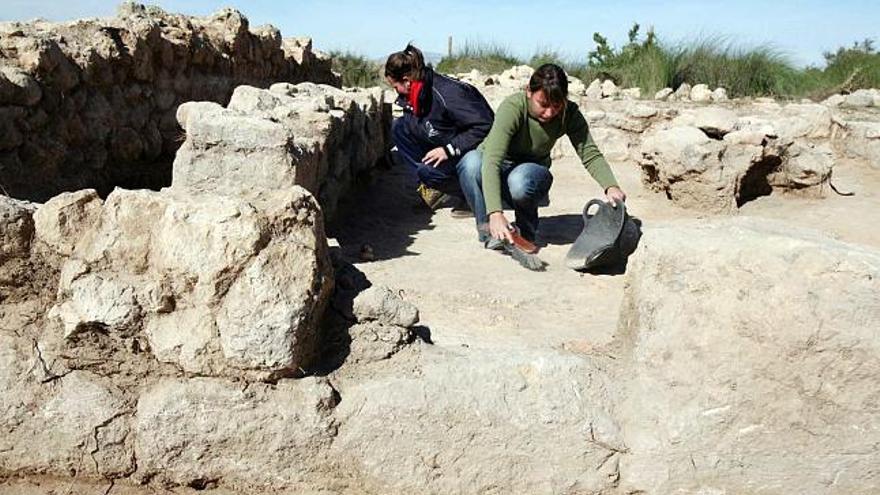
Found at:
(443, 119)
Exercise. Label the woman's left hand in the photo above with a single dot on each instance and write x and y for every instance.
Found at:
(615, 195)
(435, 157)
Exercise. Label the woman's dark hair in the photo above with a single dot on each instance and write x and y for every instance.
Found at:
(408, 63)
(552, 79)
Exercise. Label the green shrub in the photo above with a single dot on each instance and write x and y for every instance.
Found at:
(852, 68)
(761, 70)
(486, 58)
(356, 70)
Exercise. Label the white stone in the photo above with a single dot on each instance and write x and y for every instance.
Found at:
(62, 221)
(749, 372)
(859, 99)
(631, 93)
(701, 94)
(183, 337)
(81, 426)
(713, 120)
(16, 228)
(834, 100)
(594, 90)
(259, 435)
(683, 93)
(719, 95)
(609, 89)
(505, 417)
(381, 304)
(663, 94)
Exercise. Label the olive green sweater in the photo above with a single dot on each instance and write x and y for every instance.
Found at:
(518, 137)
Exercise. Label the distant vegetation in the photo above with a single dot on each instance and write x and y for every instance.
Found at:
(647, 62)
(488, 58)
(356, 70)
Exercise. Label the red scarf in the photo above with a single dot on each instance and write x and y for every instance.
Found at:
(415, 88)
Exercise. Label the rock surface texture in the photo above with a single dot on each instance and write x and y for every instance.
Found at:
(206, 337)
(314, 136)
(92, 103)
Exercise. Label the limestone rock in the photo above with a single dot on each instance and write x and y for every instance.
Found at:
(383, 305)
(516, 77)
(834, 100)
(17, 87)
(16, 228)
(804, 120)
(317, 137)
(701, 94)
(712, 384)
(63, 220)
(83, 417)
(614, 143)
(682, 93)
(485, 400)
(695, 171)
(714, 121)
(609, 89)
(576, 87)
(631, 93)
(663, 94)
(805, 165)
(256, 437)
(750, 137)
(860, 98)
(594, 90)
(719, 95)
(374, 341)
(219, 284)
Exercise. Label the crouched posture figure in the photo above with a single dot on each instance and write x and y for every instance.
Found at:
(513, 164)
(442, 120)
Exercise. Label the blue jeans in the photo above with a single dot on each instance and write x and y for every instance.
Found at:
(524, 186)
(442, 178)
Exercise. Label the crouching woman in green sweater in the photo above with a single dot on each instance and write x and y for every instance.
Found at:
(513, 164)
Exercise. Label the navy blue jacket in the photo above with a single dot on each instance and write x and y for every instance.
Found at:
(453, 114)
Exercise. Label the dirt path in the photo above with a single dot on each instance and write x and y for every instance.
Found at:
(470, 296)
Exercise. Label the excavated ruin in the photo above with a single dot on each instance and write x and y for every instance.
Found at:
(92, 103)
(207, 336)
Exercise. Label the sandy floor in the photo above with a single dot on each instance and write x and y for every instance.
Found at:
(470, 296)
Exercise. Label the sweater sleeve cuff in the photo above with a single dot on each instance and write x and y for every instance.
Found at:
(493, 206)
(451, 150)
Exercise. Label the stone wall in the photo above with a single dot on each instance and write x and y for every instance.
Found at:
(707, 152)
(314, 136)
(91, 103)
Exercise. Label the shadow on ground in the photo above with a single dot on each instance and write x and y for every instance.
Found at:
(380, 219)
(560, 229)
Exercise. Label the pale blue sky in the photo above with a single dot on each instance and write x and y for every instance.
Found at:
(801, 29)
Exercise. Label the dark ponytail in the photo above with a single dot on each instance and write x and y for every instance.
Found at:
(408, 63)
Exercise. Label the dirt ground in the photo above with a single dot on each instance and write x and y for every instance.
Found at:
(471, 296)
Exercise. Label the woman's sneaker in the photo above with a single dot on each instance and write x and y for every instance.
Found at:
(432, 197)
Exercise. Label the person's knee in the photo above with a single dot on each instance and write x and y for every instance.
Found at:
(425, 175)
(434, 178)
(470, 167)
(530, 188)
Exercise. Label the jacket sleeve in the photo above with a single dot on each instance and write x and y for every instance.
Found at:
(472, 116)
